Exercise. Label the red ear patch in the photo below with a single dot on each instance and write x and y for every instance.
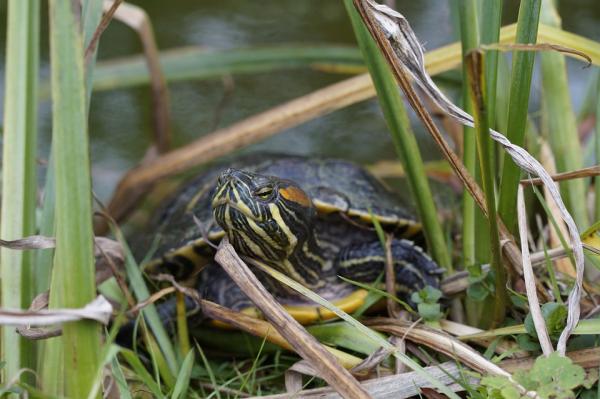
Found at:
(294, 194)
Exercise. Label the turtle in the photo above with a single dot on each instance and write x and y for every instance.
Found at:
(310, 218)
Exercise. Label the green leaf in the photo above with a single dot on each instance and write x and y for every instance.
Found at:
(426, 295)
(73, 283)
(150, 313)
(430, 311)
(343, 335)
(183, 379)
(498, 387)
(19, 166)
(522, 70)
(141, 372)
(560, 122)
(200, 63)
(478, 292)
(431, 294)
(557, 370)
(555, 317)
(519, 302)
(120, 379)
(526, 343)
(523, 377)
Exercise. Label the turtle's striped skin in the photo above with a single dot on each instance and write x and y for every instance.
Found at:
(310, 219)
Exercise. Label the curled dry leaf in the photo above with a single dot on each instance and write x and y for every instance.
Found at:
(37, 333)
(99, 310)
(109, 258)
(375, 358)
(105, 252)
(31, 242)
(293, 376)
(534, 304)
(540, 47)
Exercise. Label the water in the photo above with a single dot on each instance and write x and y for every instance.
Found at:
(120, 120)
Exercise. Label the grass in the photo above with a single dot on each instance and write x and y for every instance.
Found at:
(19, 173)
(73, 272)
(469, 33)
(560, 124)
(178, 366)
(520, 89)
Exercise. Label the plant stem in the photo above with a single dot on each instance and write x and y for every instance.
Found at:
(522, 69)
(491, 20)
(561, 124)
(73, 272)
(467, 13)
(19, 172)
(474, 63)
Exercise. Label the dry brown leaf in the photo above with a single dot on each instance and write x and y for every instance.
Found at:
(99, 310)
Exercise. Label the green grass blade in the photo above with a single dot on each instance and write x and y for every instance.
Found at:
(52, 350)
(141, 372)
(196, 63)
(92, 14)
(250, 377)
(485, 150)
(19, 172)
(491, 21)
(522, 69)
(120, 379)
(158, 361)
(73, 273)
(403, 137)
(142, 293)
(183, 379)
(43, 258)
(561, 123)
(110, 353)
(467, 15)
(552, 275)
(209, 370)
(342, 334)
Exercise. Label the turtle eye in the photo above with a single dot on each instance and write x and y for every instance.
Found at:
(264, 193)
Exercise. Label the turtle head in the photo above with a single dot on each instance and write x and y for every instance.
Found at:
(264, 217)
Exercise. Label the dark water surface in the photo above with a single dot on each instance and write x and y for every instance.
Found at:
(120, 119)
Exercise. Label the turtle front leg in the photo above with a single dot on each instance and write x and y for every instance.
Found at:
(365, 262)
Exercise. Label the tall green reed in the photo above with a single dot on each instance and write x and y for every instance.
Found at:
(469, 32)
(73, 282)
(560, 122)
(19, 172)
(520, 86)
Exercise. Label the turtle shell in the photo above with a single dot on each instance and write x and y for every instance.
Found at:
(181, 227)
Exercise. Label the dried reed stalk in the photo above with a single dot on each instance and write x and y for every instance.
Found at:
(303, 343)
